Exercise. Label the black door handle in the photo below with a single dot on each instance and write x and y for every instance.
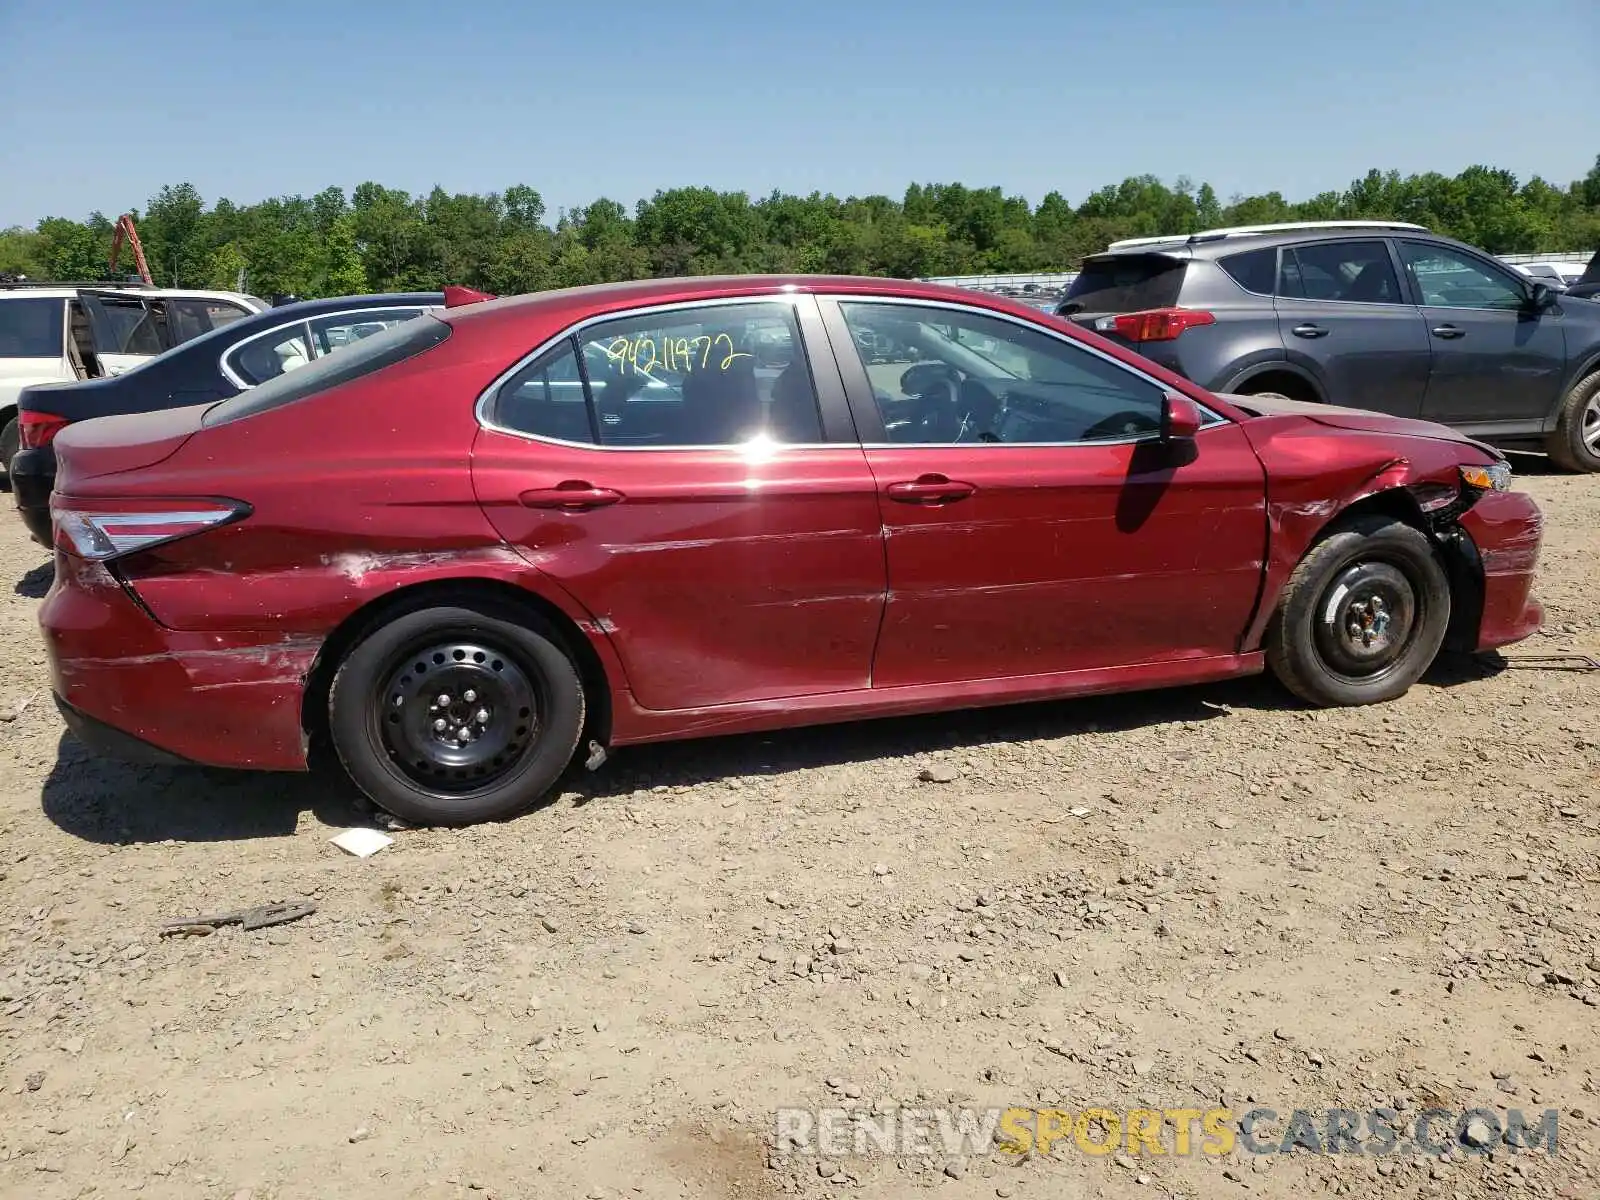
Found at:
(1309, 331)
(1448, 331)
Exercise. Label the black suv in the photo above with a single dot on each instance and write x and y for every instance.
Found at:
(1365, 314)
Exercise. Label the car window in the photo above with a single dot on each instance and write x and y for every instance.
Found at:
(546, 398)
(1253, 270)
(124, 325)
(405, 340)
(712, 375)
(271, 354)
(191, 318)
(1447, 278)
(334, 332)
(1349, 272)
(1120, 283)
(31, 328)
(948, 375)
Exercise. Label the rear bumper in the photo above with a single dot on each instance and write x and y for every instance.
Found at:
(136, 689)
(33, 475)
(1506, 528)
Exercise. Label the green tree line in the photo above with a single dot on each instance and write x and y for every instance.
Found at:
(383, 239)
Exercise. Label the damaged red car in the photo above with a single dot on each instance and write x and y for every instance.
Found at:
(480, 544)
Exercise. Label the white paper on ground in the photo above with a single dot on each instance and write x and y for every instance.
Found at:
(361, 842)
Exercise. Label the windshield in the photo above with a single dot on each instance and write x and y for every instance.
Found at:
(31, 328)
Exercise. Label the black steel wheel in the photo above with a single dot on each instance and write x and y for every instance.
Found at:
(1362, 616)
(456, 715)
(1366, 619)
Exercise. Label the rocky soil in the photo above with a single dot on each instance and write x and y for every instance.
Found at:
(1177, 900)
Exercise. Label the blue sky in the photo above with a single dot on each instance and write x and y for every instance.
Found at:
(101, 104)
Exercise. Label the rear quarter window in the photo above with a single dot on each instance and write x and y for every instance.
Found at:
(31, 328)
(1125, 283)
(1254, 270)
(365, 357)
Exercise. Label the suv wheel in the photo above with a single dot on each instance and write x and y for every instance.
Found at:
(10, 443)
(1575, 442)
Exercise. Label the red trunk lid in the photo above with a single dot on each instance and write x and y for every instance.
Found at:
(112, 445)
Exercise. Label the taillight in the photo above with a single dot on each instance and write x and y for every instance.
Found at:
(1158, 324)
(35, 429)
(107, 529)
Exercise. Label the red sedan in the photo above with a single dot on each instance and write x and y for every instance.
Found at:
(463, 548)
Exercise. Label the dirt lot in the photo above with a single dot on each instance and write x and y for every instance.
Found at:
(1184, 899)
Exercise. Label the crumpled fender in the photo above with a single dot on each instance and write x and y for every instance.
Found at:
(1316, 474)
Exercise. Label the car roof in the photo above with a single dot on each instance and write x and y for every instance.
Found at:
(1207, 249)
(579, 302)
(66, 291)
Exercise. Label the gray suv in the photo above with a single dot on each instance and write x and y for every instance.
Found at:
(1366, 314)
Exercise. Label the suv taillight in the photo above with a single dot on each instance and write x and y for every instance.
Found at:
(105, 529)
(35, 429)
(1155, 324)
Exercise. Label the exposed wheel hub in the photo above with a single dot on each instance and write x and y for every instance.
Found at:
(1366, 619)
(457, 715)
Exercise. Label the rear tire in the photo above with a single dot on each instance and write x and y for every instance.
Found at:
(1362, 616)
(10, 443)
(455, 715)
(1575, 442)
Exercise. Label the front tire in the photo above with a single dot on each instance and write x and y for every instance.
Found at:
(1362, 616)
(455, 715)
(1575, 441)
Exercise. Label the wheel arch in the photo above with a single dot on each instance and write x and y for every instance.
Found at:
(1391, 496)
(1587, 366)
(597, 683)
(1301, 384)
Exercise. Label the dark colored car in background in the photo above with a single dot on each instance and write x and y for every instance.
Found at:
(1370, 314)
(464, 547)
(1588, 285)
(211, 367)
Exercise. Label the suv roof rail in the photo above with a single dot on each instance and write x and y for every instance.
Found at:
(1207, 235)
(11, 282)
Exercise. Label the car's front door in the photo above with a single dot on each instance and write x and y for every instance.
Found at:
(694, 481)
(1496, 360)
(1034, 523)
(1345, 319)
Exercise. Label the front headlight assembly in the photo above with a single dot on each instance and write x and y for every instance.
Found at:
(1491, 477)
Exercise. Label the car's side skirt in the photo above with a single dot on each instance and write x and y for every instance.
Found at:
(631, 723)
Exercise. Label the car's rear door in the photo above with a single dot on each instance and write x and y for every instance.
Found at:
(1498, 364)
(126, 328)
(1033, 522)
(1346, 320)
(691, 476)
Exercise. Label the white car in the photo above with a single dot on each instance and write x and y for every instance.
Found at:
(57, 333)
(1560, 275)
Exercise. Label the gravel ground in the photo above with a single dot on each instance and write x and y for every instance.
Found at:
(1183, 899)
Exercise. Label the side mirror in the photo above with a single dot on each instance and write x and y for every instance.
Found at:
(1541, 296)
(1180, 418)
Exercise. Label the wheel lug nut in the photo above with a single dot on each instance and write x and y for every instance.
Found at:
(483, 716)
(469, 695)
(439, 725)
(443, 701)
